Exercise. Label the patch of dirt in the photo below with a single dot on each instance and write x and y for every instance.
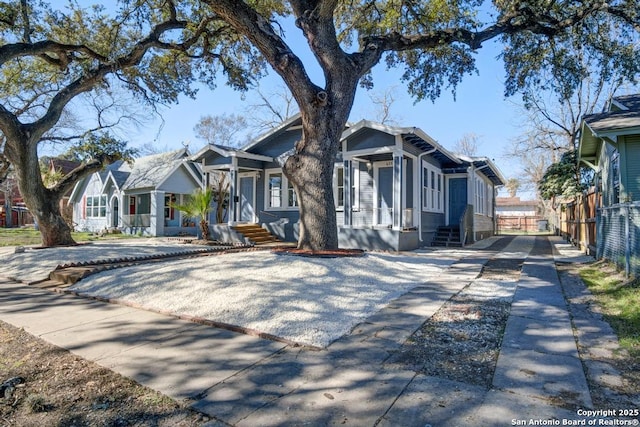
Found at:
(53, 387)
(334, 253)
(502, 269)
(461, 341)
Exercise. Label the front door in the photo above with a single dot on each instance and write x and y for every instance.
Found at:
(247, 198)
(385, 196)
(457, 199)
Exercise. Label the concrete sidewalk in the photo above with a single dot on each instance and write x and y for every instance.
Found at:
(243, 380)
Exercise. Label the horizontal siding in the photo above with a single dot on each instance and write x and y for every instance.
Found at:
(632, 164)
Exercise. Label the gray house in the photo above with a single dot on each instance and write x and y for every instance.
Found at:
(610, 145)
(138, 199)
(395, 188)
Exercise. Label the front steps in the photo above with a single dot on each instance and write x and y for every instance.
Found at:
(448, 236)
(256, 234)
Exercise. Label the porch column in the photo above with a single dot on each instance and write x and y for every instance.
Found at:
(233, 191)
(397, 190)
(156, 220)
(346, 189)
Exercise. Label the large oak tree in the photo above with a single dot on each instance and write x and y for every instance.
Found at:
(51, 60)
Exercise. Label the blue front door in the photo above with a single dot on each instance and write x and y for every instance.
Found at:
(457, 199)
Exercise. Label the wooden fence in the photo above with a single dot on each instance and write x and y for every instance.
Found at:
(577, 222)
(523, 223)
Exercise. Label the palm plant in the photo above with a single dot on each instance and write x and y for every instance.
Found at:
(198, 206)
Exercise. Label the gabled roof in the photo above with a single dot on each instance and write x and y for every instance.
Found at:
(486, 166)
(152, 171)
(102, 175)
(411, 135)
(118, 178)
(626, 102)
(63, 165)
(622, 119)
(613, 123)
(228, 152)
(293, 121)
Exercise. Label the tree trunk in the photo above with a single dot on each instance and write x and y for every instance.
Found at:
(204, 227)
(42, 203)
(310, 170)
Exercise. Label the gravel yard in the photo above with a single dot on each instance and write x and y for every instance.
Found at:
(311, 301)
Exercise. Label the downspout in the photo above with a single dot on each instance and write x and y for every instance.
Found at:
(421, 171)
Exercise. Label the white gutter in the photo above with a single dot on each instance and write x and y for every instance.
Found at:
(421, 171)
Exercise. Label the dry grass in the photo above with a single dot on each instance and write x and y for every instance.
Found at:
(61, 389)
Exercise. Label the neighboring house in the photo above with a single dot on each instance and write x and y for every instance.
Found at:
(610, 144)
(138, 199)
(518, 215)
(513, 206)
(13, 211)
(394, 187)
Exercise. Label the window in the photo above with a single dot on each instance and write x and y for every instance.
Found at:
(169, 202)
(439, 198)
(96, 206)
(338, 186)
(292, 197)
(275, 191)
(432, 189)
(432, 193)
(481, 196)
(615, 177)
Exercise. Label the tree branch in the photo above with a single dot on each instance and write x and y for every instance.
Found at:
(69, 180)
(43, 48)
(94, 76)
(248, 22)
(520, 20)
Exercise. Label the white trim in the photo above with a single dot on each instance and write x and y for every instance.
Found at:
(386, 149)
(284, 192)
(429, 203)
(482, 188)
(253, 176)
(355, 185)
(447, 198)
(106, 180)
(228, 153)
(89, 209)
(376, 179)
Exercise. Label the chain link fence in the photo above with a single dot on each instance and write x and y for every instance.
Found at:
(619, 236)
